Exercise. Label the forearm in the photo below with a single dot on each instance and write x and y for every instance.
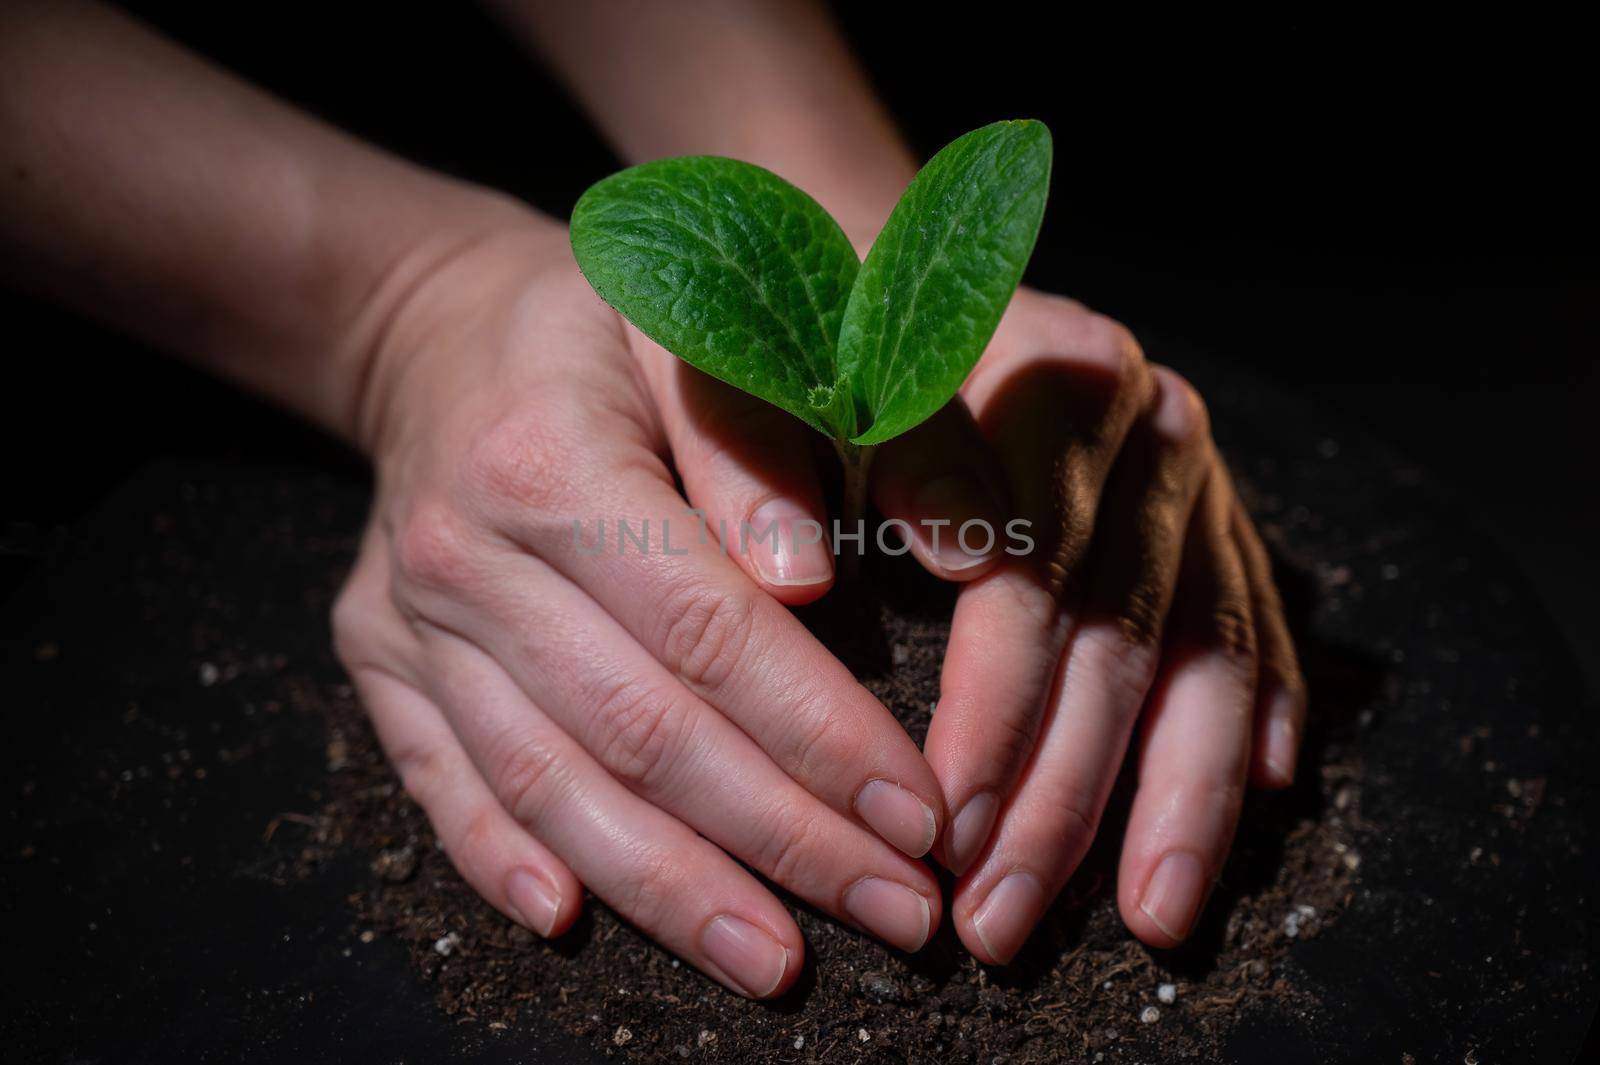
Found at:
(156, 193)
(771, 82)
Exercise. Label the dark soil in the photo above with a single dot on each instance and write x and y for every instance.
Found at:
(174, 699)
(1084, 986)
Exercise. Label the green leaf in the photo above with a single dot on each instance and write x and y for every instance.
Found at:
(939, 276)
(732, 269)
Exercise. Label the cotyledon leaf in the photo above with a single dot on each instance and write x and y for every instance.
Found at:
(933, 287)
(730, 268)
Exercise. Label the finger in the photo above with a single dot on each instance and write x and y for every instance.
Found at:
(1006, 639)
(1110, 662)
(1057, 428)
(693, 610)
(747, 465)
(518, 875)
(657, 873)
(669, 747)
(1195, 742)
(940, 481)
(1281, 700)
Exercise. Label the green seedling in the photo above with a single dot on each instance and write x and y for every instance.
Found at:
(745, 277)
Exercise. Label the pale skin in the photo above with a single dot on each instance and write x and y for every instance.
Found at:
(641, 725)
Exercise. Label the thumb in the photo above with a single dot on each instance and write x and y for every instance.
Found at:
(940, 481)
(751, 469)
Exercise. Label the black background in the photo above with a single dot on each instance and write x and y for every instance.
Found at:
(1393, 219)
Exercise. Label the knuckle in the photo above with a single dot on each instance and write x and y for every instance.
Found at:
(1063, 324)
(1065, 327)
(527, 459)
(1074, 813)
(524, 776)
(1283, 670)
(1010, 741)
(822, 740)
(422, 770)
(636, 732)
(1181, 417)
(358, 617)
(1233, 629)
(791, 850)
(1141, 618)
(1124, 666)
(433, 548)
(707, 632)
(348, 621)
(650, 889)
(1054, 307)
(1112, 345)
(477, 835)
(1070, 823)
(1028, 604)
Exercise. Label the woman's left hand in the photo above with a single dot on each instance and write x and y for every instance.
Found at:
(1148, 601)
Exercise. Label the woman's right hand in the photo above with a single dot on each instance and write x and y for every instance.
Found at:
(640, 722)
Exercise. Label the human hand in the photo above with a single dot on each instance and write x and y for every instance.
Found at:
(636, 721)
(1149, 602)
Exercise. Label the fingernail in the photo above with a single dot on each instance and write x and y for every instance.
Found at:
(747, 955)
(1282, 744)
(892, 912)
(1008, 915)
(1173, 896)
(786, 544)
(970, 830)
(536, 900)
(958, 499)
(898, 816)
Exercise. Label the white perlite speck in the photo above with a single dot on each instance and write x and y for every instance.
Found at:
(799, 1042)
(622, 1036)
(1150, 1015)
(446, 945)
(864, 1035)
(208, 674)
(1292, 923)
(1167, 993)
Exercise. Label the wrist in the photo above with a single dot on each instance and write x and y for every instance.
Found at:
(484, 242)
(774, 84)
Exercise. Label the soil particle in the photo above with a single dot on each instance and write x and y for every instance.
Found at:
(880, 987)
(1082, 989)
(395, 866)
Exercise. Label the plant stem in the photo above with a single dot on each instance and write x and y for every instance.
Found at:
(857, 463)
